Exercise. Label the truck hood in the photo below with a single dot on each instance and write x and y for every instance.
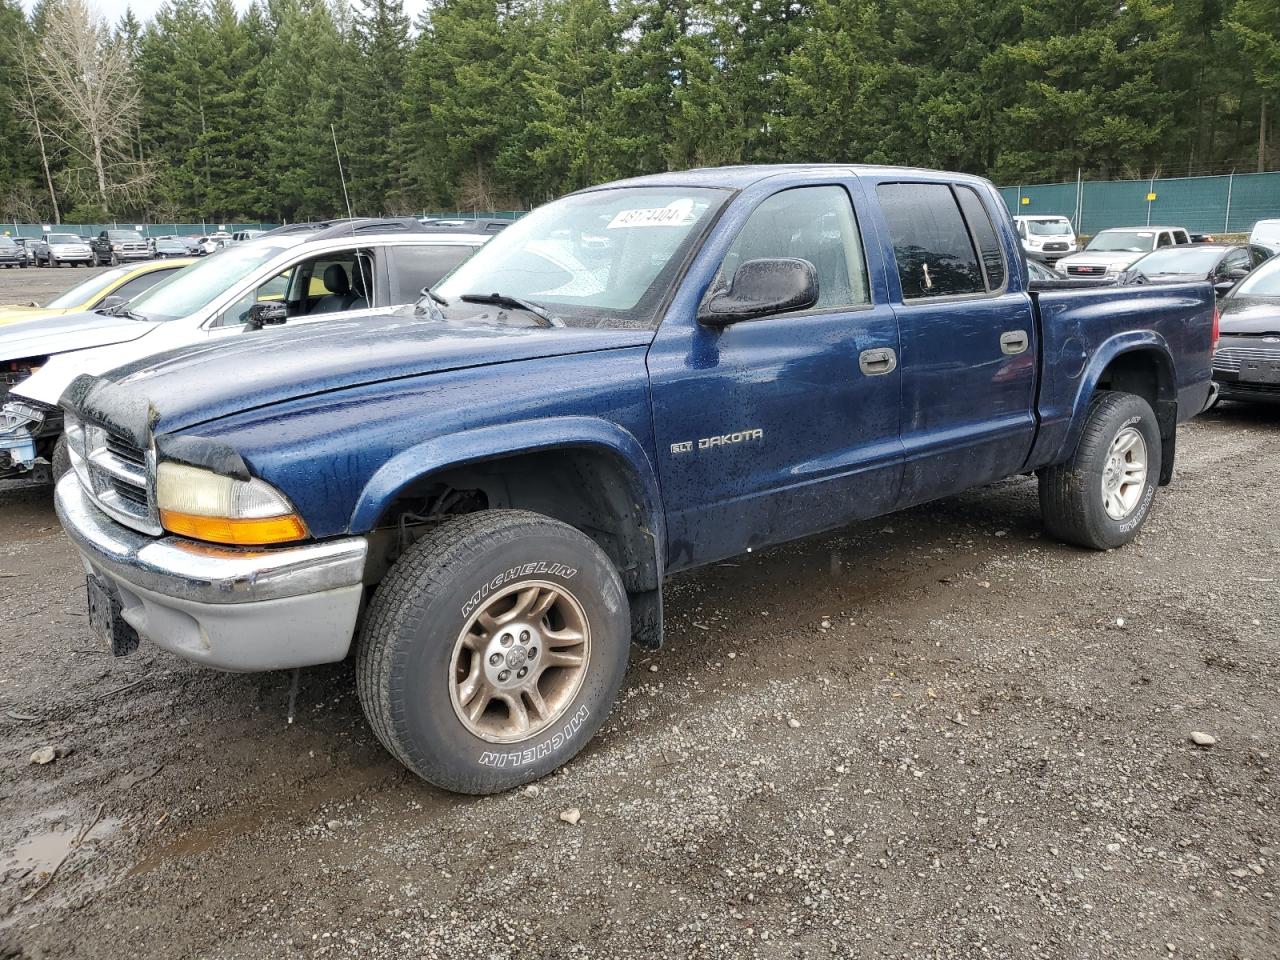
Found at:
(1249, 315)
(45, 336)
(1117, 259)
(194, 384)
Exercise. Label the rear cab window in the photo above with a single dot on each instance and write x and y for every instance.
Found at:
(418, 266)
(935, 248)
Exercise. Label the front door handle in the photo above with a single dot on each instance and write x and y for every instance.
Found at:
(875, 363)
(1013, 342)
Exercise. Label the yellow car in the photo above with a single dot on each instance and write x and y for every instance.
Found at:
(127, 282)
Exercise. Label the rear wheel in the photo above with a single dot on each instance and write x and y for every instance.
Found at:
(1102, 495)
(493, 650)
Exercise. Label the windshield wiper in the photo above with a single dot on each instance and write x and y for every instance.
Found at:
(506, 300)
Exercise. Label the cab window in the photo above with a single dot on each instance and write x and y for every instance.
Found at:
(329, 283)
(808, 223)
(415, 267)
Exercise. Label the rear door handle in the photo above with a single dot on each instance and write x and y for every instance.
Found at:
(875, 363)
(1013, 342)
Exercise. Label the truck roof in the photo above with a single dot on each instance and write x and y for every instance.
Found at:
(740, 177)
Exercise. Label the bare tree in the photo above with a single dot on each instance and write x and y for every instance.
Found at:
(27, 105)
(86, 76)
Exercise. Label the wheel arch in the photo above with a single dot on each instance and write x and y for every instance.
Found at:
(591, 474)
(1139, 363)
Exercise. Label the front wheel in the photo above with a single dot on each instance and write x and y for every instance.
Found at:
(1102, 495)
(493, 650)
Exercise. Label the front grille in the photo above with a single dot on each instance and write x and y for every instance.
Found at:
(116, 472)
(1229, 359)
(126, 451)
(1054, 247)
(1077, 270)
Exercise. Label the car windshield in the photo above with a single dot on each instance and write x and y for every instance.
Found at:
(1264, 281)
(7, 242)
(1178, 260)
(196, 287)
(86, 291)
(64, 238)
(604, 258)
(1123, 241)
(1048, 228)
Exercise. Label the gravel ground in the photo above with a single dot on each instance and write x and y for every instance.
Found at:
(42, 284)
(937, 734)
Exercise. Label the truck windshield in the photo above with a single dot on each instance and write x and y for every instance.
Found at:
(1183, 259)
(1263, 282)
(1123, 241)
(63, 238)
(604, 258)
(195, 287)
(1049, 228)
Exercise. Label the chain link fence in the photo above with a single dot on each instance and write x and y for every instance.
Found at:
(1229, 204)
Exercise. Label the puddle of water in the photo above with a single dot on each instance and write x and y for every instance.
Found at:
(45, 849)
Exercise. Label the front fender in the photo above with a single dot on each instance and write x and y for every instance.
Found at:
(508, 439)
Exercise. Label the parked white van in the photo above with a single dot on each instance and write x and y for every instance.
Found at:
(1266, 233)
(1047, 239)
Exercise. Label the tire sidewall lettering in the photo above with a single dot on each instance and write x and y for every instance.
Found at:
(536, 568)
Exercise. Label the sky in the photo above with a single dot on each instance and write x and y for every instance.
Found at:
(145, 9)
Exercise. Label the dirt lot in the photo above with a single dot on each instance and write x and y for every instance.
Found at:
(934, 735)
(41, 284)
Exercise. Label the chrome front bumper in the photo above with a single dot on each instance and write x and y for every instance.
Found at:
(233, 609)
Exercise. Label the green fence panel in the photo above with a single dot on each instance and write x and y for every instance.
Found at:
(1230, 204)
(1254, 197)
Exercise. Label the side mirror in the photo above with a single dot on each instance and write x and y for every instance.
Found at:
(762, 287)
(1223, 287)
(264, 314)
(1238, 273)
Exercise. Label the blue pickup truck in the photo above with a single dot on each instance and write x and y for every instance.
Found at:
(481, 496)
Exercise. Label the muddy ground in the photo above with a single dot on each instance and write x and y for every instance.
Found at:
(938, 734)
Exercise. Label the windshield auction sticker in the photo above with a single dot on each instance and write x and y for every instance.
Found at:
(678, 213)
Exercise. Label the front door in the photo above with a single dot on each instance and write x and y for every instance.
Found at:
(770, 429)
(968, 341)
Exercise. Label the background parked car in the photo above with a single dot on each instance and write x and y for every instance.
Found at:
(117, 246)
(1266, 233)
(1047, 239)
(240, 236)
(55, 249)
(1246, 364)
(11, 255)
(127, 282)
(28, 247)
(1221, 264)
(165, 247)
(1112, 251)
(1038, 271)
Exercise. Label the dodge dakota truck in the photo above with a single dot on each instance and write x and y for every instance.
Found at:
(480, 496)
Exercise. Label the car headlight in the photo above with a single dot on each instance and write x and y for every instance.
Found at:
(204, 505)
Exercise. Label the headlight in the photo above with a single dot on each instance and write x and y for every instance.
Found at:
(115, 246)
(209, 506)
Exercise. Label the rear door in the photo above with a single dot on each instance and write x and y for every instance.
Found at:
(785, 425)
(968, 360)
